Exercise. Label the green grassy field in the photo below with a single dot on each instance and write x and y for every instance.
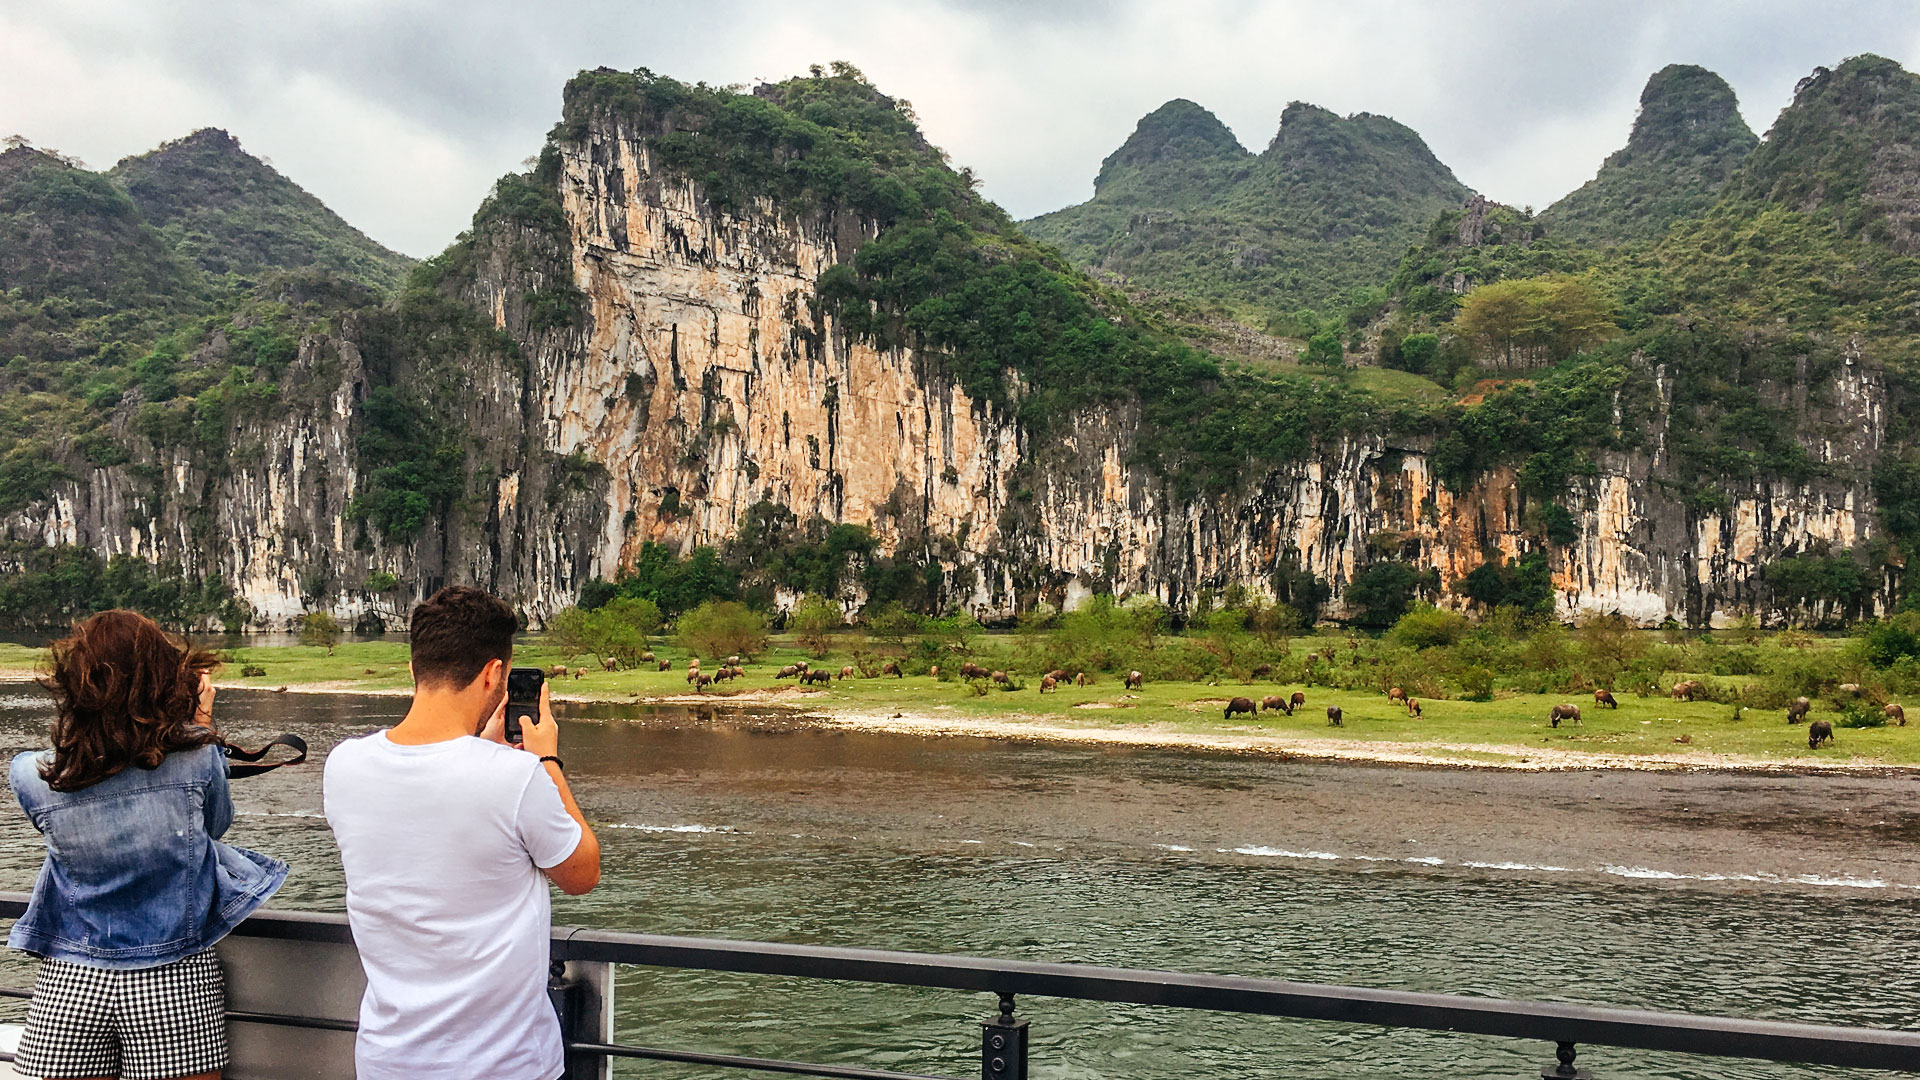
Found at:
(1509, 728)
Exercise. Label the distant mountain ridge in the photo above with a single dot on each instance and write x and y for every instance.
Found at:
(1329, 205)
(229, 211)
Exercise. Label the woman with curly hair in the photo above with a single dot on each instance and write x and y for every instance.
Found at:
(136, 887)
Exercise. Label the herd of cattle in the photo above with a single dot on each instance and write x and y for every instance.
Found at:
(1818, 731)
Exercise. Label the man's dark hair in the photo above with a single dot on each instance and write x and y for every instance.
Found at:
(455, 633)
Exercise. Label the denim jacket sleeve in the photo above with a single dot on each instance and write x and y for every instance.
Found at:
(219, 800)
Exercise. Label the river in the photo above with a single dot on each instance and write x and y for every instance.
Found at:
(1767, 896)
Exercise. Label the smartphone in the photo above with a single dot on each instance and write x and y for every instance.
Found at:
(523, 698)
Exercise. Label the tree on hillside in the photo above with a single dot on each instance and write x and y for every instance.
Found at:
(1324, 350)
(1546, 319)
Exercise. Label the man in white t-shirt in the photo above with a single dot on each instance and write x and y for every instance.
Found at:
(449, 837)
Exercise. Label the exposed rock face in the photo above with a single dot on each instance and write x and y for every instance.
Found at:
(702, 381)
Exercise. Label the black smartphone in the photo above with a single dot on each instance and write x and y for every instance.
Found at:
(523, 698)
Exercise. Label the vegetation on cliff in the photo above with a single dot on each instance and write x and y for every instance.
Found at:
(227, 211)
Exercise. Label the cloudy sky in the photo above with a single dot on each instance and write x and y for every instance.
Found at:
(400, 113)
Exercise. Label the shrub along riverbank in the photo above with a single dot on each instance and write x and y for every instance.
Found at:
(1737, 720)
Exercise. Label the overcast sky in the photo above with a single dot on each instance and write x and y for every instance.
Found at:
(400, 113)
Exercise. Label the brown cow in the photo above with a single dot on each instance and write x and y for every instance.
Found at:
(1004, 678)
(612, 663)
(801, 664)
(1239, 705)
(1299, 698)
(1413, 706)
(1276, 703)
(787, 672)
(1604, 697)
(933, 672)
(1059, 675)
(1081, 678)
(579, 673)
(971, 670)
(701, 682)
(731, 660)
(1335, 716)
(1564, 711)
(1396, 694)
(891, 668)
(821, 677)
(1797, 710)
(693, 675)
(647, 657)
(846, 673)
(665, 664)
(1684, 691)
(1820, 731)
(1135, 680)
(557, 671)
(1897, 714)
(693, 662)
(1048, 682)
(1850, 688)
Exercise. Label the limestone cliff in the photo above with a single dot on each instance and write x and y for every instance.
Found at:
(645, 363)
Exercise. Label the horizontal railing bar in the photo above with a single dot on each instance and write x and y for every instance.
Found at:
(319, 1023)
(731, 1061)
(1715, 1036)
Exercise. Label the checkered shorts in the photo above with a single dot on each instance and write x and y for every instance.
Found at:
(140, 1025)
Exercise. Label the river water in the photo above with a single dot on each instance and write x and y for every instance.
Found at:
(1780, 897)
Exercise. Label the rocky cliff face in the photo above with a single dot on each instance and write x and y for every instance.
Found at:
(700, 379)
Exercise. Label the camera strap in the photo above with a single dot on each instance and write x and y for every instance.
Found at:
(251, 757)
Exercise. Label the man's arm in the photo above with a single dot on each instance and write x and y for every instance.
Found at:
(579, 872)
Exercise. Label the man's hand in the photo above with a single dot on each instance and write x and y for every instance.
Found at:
(203, 713)
(540, 735)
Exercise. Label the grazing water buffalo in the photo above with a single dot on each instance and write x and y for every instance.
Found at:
(1135, 680)
(1850, 688)
(701, 682)
(1797, 710)
(1081, 678)
(1299, 699)
(971, 670)
(1276, 703)
(1684, 691)
(801, 664)
(891, 668)
(579, 673)
(933, 672)
(1334, 716)
(1261, 671)
(665, 664)
(1818, 732)
(731, 660)
(821, 677)
(1413, 706)
(557, 671)
(647, 657)
(1396, 694)
(1240, 705)
(1059, 675)
(787, 672)
(846, 673)
(1604, 698)
(1048, 682)
(1897, 714)
(693, 675)
(1569, 713)
(1004, 678)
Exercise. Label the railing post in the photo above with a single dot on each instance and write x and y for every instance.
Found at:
(582, 996)
(1003, 1045)
(1562, 1067)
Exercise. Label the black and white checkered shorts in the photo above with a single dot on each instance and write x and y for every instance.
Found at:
(140, 1025)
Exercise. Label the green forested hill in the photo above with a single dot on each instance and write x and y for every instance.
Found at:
(228, 211)
(1686, 142)
(1330, 205)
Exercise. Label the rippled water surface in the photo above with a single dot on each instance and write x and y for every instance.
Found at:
(1778, 897)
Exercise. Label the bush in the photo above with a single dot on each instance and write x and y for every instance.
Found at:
(813, 621)
(1476, 684)
(319, 630)
(1857, 714)
(1427, 627)
(252, 671)
(722, 628)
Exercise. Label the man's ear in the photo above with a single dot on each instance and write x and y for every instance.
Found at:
(493, 675)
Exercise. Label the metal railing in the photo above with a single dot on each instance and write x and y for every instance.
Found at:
(582, 989)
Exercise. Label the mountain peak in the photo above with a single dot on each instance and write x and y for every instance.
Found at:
(1178, 132)
(1686, 143)
(229, 211)
(1849, 143)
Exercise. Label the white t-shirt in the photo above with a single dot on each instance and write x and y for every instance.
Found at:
(443, 846)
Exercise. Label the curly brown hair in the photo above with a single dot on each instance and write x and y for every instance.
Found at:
(124, 693)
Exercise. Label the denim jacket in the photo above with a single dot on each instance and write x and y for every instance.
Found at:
(135, 876)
